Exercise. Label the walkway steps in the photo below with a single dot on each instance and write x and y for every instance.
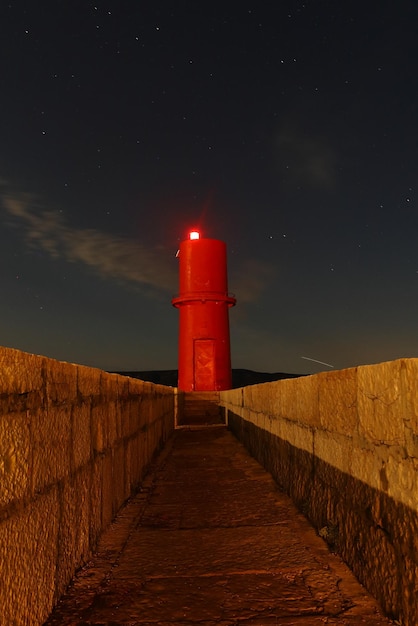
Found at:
(210, 540)
(201, 407)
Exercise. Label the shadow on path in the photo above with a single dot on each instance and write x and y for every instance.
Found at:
(210, 540)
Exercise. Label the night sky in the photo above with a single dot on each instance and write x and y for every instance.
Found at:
(287, 129)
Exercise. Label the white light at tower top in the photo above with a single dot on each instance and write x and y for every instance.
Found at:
(194, 234)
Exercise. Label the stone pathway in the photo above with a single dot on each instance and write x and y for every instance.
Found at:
(210, 540)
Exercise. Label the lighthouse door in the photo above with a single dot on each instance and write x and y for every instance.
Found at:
(204, 365)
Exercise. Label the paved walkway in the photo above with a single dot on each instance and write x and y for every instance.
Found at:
(210, 540)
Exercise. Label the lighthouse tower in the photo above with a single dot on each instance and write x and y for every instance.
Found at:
(204, 359)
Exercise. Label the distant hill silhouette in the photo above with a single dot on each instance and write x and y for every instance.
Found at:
(240, 377)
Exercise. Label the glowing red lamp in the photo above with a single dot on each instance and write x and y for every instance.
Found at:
(204, 359)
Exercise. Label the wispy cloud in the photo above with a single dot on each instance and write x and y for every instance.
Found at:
(116, 257)
(110, 256)
(252, 279)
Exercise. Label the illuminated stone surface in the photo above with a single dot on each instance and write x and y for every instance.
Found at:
(353, 471)
(211, 540)
(74, 445)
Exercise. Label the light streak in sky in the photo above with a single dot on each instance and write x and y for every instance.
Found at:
(316, 361)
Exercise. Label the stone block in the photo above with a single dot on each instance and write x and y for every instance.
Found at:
(409, 591)
(379, 403)
(251, 397)
(141, 412)
(307, 399)
(123, 386)
(136, 414)
(119, 408)
(274, 426)
(245, 413)
(109, 385)
(51, 445)
(368, 467)
(74, 520)
(136, 385)
(88, 381)
(135, 451)
(232, 397)
(61, 382)
(129, 473)
(138, 407)
(273, 398)
(294, 433)
(254, 417)
(96, 497)
(288, 399)
(402, 480)
(334, 449)
(263, 398)
(20, 372)
(99, 428)
(410, 395)
(109, 397)
(111, 421)
(107, 489)
(298, 435)
(146, 447)
(81, 434)
(15, 457)
(338, 401)
(123, 416)
(28, 557)
(119, 492)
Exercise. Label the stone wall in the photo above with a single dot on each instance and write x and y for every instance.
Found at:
(344, 445)
(75, 443)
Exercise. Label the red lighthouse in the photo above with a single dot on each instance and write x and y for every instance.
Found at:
(204, 352)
